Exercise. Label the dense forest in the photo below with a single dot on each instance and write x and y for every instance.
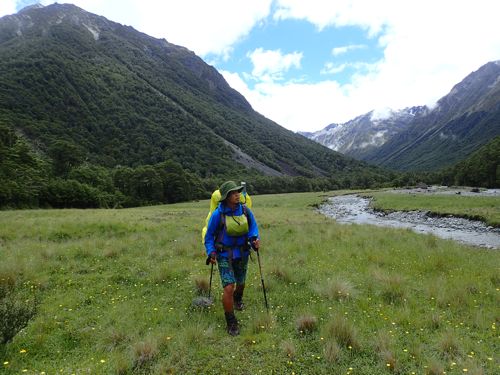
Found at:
(480, 169)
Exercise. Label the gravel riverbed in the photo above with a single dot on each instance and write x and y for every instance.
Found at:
(354, 209)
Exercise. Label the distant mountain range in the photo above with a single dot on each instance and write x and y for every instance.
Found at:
(122, 97)
(420, 138)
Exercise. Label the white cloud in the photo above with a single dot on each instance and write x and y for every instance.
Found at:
(202, 26)
(7, 7)
(371, 15)
(331, 68)
(271, 65)
(344, 49)
(429, 46)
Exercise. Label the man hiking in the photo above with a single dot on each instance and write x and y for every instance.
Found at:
(231, 230)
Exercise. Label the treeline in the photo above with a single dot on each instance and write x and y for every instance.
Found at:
(59, 176)
(480, 169)
(28, 178)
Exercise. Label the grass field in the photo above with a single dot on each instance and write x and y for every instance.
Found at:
(113, 292)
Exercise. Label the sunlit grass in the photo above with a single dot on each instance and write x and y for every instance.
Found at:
(114, 290)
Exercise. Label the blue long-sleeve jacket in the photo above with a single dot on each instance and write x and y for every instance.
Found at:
(235, 243)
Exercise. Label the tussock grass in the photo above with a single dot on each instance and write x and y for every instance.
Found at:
(337, 289)
(332, 351)
(389, 360)
(262, 322)
(289, 348)
(143, 355)
(435, 367)
(282, 274)
(306, 324)
(449, 345)
(343, 332)
(392, 287)
(114, 290)
(201, 284)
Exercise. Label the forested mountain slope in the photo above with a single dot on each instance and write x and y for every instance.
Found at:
(94, 111)
(126, 98)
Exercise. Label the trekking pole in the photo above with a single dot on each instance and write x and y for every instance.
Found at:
(262, 281)
(210, 285)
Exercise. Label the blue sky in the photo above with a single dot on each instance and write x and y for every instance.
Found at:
(314, 55)
(307, 64)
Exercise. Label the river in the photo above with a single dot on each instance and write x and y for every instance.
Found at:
(352, 209)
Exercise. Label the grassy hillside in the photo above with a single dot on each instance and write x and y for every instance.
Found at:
(113, 290)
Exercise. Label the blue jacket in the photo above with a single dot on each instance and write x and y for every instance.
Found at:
(235, 243)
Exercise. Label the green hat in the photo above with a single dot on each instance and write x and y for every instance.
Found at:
(227, 187)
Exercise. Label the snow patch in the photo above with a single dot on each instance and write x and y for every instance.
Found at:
(381, 114)
(377, 139)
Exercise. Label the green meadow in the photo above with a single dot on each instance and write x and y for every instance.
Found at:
(110, 292)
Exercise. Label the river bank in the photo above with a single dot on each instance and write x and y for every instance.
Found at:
(356, 210)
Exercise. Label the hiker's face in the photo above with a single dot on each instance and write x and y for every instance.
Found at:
(233, 197)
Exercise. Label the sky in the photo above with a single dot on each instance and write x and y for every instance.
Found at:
(307, 64)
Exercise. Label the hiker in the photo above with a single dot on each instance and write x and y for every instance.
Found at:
(231, 231)
(214, 202)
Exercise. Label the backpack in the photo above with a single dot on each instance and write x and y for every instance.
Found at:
(214, 202)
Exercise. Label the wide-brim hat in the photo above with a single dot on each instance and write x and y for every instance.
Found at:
(228, 187)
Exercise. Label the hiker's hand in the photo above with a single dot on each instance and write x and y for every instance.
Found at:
(255, 244)
(212, 258)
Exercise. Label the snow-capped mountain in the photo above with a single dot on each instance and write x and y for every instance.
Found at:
(420, 138)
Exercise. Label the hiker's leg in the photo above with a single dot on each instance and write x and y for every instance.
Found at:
(227, 298)
(228, 282)
(227, 301)
(240, 273)
(238, 297)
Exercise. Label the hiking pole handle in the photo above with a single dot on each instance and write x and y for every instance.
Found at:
(262, 281)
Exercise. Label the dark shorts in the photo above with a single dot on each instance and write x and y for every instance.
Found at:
(232, 272)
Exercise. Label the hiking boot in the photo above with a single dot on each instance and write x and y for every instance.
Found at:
(239, 305)
(232, 324)
(238, 301)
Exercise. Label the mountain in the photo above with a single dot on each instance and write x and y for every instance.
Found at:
(77, 89)
(127, 98)
(420, 138)
(364, 134)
